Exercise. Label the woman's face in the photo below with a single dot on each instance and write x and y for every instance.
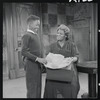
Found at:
(60, 35)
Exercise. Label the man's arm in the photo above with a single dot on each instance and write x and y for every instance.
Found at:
(25, 48)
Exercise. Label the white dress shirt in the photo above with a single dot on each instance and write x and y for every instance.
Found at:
(31, 31)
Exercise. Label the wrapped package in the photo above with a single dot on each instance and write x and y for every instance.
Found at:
(56, 61)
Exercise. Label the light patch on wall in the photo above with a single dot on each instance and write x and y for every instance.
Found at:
(23, 17)
(53, 31)
(52, 38)
(46, 29)
(46, 40)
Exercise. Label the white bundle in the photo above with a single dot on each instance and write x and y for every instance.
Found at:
(56, 61)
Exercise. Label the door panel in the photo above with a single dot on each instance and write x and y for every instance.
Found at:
(82, 40)
(81, 33)
(5, 51)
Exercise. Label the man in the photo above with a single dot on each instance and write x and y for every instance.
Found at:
(31, 50)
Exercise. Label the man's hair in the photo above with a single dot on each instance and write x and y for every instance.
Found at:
(32, 18)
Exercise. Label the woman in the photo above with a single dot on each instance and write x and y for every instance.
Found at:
(68, 49)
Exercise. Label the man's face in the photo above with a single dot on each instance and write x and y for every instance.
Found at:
(60, 35)
(35, 24)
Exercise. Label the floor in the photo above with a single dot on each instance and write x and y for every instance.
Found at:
(16, 88)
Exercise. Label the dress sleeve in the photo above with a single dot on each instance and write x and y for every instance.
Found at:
(75, 51)
(25, 48)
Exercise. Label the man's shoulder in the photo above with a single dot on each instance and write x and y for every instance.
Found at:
(26, 34)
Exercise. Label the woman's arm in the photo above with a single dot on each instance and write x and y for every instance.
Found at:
(75, 53)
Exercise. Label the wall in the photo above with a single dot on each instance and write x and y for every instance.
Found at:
(7, 19)
(54, 14)
(5, 57)
(80, 18)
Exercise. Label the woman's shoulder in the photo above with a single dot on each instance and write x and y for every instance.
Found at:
(70, 42)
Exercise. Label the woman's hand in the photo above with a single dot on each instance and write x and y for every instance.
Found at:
(74, 59)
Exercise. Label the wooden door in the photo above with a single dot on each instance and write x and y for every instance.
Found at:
(20, 13)
(82, 35)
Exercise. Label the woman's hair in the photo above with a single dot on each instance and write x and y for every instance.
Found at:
(32, 18)
(65, 29)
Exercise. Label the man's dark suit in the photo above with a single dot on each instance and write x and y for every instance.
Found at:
(31, 50)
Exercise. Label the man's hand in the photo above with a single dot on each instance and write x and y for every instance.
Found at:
(41, 60)
(74, 59)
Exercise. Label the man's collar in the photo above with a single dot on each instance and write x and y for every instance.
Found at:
(31, 31)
